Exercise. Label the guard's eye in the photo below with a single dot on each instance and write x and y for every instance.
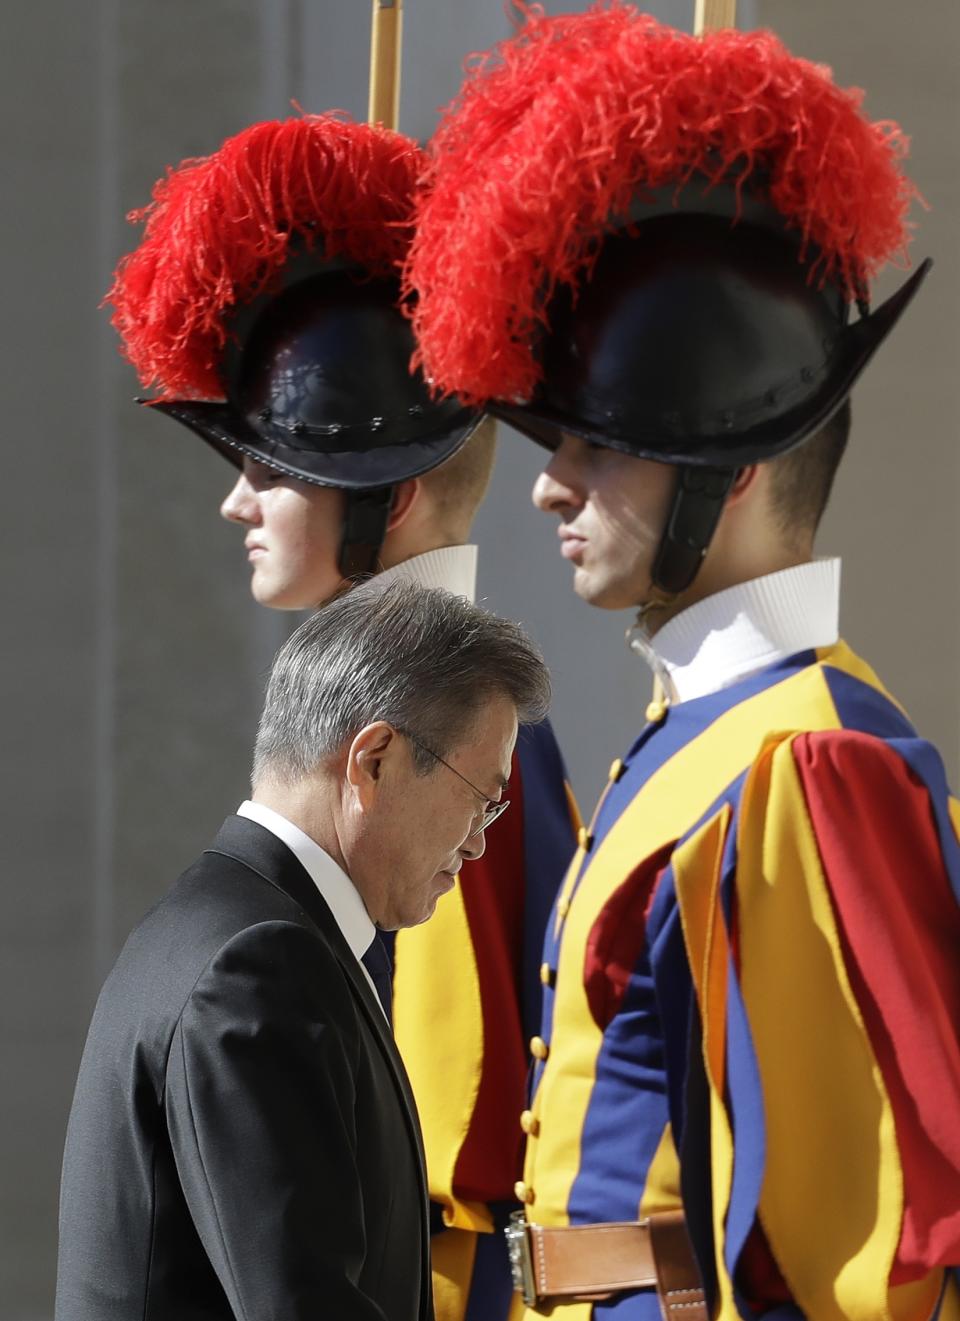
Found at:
(259, 474)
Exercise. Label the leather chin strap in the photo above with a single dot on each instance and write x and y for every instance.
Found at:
(364, 529)
(697, 505)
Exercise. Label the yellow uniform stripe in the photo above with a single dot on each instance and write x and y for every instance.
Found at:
(662, 1191)
(697, 870)
(823, 1090)
(431, 957)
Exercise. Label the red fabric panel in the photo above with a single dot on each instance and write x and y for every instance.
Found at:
(758, 1275)
(491, 1158)
(618, 936)
(900, 925)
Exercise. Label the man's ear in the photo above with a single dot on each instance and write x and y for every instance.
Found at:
(405, 496)
(368, 757)
(744, 481)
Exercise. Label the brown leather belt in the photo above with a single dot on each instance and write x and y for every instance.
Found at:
(593, 1262)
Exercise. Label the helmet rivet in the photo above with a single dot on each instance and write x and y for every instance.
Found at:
(265, 413)
(298, 428)
(415, 410)
(334, 429)
(376, 424)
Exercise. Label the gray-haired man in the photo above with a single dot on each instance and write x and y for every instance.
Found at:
(243, 1141)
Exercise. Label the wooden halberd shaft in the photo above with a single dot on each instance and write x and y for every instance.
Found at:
(386, 40)
(713, 14)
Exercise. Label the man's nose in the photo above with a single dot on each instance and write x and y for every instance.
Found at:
(552, 493)
(474, 847)
(240, 506)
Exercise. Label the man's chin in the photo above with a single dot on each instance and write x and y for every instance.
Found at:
(430, 906)
(603, 595)
(280, 598)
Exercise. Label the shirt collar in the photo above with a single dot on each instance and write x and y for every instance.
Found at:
(454, 568)
(341, 895)
(738, 632)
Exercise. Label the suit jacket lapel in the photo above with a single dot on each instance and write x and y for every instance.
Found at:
(252, 845)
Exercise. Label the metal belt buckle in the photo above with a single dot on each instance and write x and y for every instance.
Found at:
(517, 1234)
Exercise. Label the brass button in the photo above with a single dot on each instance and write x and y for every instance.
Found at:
(522, 1193)
(584, 838)
(616, 770)
(547, 977)
(656, 711)
(530, 1123)
(563, 907)
(539, 1048)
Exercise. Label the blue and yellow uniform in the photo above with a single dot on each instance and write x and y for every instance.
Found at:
(753, 1000)
(467, 995)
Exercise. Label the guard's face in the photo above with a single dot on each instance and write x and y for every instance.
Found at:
(420, 827)
(293, 536)
(612, 509)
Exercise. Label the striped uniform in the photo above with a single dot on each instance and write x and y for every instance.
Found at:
(467, 995)
(754, 962)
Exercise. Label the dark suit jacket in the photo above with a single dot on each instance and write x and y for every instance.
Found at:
(243, 1142)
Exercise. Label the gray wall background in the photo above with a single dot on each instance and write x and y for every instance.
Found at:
(133, 658)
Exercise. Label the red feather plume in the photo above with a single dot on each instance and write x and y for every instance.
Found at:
(219, 228)
(558, 130)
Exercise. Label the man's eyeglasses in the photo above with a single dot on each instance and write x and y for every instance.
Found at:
(492, 810)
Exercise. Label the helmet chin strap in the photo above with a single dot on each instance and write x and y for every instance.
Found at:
(698, 500)
(364, 529)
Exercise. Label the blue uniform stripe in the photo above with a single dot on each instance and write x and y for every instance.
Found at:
(491, 1285)
(628, 1109)
(640, 1306)
(675, 995)
(864, 708)
(548, 846)
(744, 1088)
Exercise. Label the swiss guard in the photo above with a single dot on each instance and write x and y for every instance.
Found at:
(263, 302)
(651, 254)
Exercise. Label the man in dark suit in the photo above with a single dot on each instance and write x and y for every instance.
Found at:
(243, 1142)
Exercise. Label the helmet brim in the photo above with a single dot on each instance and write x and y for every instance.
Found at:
(229, 433)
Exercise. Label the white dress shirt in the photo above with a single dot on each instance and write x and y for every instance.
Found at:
(738, 632)
(454, 568)
(341, 895)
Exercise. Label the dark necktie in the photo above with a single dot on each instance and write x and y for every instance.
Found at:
(377, 963)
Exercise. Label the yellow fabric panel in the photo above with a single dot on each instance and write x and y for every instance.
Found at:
(662, 1192)
(517, 1308)
(436, 968)
(573, 807)
(696, 870)
(954, 806)
(677, 795)
(833, 1221)
(452, 1255)
(566, 890)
